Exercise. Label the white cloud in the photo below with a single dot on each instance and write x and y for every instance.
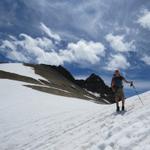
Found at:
(83, 52)
(50, 33)
(8, 45)
(118, 43)
(28, 49)
(15, 55)
(42, 50)
(36, 46)
(146, 59)
(117, 61)
(30, 45)
(144, 20)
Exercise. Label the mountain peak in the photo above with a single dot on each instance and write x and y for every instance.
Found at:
(94, 78)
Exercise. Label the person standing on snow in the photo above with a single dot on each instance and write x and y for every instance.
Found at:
(117, 88)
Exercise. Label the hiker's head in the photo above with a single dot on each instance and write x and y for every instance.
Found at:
(117, 72)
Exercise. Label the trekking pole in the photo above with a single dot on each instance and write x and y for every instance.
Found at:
(136, 92)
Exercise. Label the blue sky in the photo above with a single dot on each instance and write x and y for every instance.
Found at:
(85, 36)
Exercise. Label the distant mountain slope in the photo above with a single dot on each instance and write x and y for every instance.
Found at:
(46, 78)
(93, 83)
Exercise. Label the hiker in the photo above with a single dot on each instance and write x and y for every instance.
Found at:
(117, 88)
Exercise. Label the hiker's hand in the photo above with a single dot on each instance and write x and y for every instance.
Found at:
(131, 83)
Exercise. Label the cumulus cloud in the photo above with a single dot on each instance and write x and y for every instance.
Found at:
(117, 61)
(8, 45)
(146, 59)
(50, 33)
(84, 52)
(144, 20)
(118, 43)
(43, 50)
(31, 50)
(15, 55)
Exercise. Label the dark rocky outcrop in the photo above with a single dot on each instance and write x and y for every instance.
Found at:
(94, 83)
(64, 72)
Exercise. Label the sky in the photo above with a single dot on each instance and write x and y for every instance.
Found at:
(85, 36)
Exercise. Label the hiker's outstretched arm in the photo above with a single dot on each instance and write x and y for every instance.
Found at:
(127, 81)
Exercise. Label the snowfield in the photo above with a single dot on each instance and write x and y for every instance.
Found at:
(20, 69)
(33, 120)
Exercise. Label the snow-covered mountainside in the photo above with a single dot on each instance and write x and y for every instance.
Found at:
(35, 120)
(45, 78)
(20, 69)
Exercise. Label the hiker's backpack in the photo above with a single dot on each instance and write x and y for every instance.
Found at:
(117, 82)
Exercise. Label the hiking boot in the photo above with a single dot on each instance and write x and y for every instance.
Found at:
(122, 108)
(118, 109)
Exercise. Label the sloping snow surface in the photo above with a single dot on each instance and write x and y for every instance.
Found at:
(20, 69)
(32, 120)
